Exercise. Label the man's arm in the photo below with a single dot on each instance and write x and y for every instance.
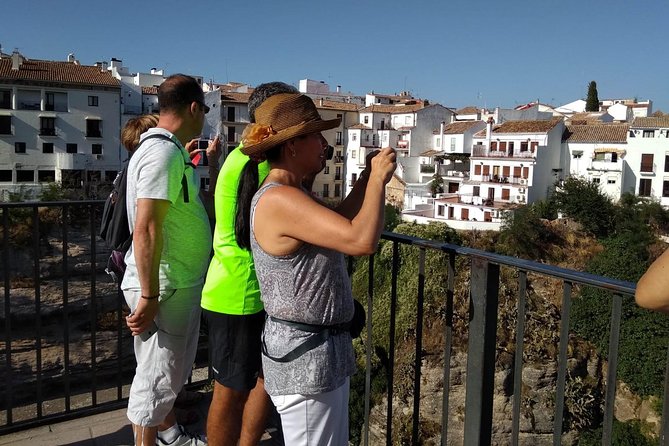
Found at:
(147, 249)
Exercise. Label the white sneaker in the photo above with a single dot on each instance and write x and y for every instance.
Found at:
(184, 439)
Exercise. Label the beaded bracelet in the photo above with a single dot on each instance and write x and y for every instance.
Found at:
(151, 297)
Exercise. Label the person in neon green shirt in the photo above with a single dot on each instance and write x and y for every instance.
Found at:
(233, 310)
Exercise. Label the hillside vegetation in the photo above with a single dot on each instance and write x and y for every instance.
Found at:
(595, 235)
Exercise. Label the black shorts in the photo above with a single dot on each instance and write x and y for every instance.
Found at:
(234, 348)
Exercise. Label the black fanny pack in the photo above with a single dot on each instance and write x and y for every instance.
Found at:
(322, 333)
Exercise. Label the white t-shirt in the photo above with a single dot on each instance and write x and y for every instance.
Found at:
(155, 171)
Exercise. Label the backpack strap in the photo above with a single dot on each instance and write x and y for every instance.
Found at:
(184, 179)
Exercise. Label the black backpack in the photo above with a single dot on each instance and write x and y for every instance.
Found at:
(114, 228)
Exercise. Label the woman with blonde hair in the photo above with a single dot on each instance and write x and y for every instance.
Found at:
(298, 247)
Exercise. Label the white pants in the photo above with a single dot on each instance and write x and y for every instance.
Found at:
(165, 360)
(315, 420)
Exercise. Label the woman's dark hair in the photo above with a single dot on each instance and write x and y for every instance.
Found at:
(248, 186)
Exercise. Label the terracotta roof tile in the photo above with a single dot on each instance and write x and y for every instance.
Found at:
(606, 133)
(470, 110)
(392, 108)
(651, 122)
(150, 90)
(459, 127)
(335, 105)
(50, 72)
(360, 126)
(541, 126)
(230, 96)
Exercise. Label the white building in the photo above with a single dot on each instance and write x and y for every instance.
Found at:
(647, 158)
(59, 121)
(407, 127)
(598, 153)
(514, 163)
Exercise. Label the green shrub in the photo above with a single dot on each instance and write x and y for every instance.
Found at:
(630, 433)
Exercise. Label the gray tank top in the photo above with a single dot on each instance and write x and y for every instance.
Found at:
(311, 286)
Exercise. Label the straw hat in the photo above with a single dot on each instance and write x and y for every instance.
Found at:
(280, 118)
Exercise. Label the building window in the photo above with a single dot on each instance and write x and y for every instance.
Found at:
(92, 101)
(452, 144)
(6, 99)
(326, 190)
(666, 162)
(25, 176)
(231, 114)
(511, 143)
(337, 191)
(96, 149)
(71, 148)
(19, 147)
(440, 210)
(5, 125)
(354, 154)
(337, 173)
(339, 138)
(611, 181)
(49, 102)
(665, 188)
(407, 120)
(5, 176)
(649, 133)
(523, 146)
(326, 170)
(477, 191)
(366, 119)
(47, 147)
(93, 128)
(596, 180)
(647, 162)
(354, 137)
(354, 178)
(232, 134)
(47, 126)
(437, 143)
(644, 187)
(340, 116)
(46, 176)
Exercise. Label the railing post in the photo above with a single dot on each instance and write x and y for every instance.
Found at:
(484, 289)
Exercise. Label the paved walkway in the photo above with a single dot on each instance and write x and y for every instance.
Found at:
(107, 429)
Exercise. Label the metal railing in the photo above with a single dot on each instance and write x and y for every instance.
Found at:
(39, 389)
(66, 351)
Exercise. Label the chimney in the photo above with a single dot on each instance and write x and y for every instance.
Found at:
(321, 102)
(104, 65)
(338, 88)
(70, 58)
(17, 60)
(488, 131)
(441, 135)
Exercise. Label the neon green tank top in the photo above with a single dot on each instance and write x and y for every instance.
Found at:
(231, 286)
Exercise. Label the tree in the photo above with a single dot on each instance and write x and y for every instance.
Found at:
(582, 200)
(436, 185)
(592, 103)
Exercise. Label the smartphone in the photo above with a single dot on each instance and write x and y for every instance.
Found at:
(146, 334)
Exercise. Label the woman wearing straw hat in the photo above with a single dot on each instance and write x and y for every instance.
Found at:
(298, 246)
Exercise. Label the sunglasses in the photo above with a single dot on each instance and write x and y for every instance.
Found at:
(204, 106)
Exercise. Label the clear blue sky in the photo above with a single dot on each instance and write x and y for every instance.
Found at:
(455, 52)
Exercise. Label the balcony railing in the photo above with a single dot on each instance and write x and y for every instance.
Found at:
(483, 152)
(87, 315)
(427, 168)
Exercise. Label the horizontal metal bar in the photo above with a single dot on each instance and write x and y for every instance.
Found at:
(618, 286)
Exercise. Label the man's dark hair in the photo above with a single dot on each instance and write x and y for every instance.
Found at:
(178, 91)
(264, 91)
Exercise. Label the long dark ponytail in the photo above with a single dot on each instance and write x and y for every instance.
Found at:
(249, 182)
(248, 186)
